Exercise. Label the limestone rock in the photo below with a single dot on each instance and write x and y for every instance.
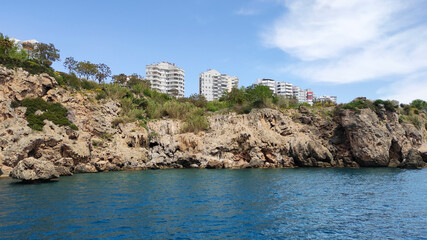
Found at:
(31, 169)
(413, 160)
(85, 168)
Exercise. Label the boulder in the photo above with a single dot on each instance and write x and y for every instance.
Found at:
(32, 169)
(84, 168)
(413, 160)
(423, 152)
(5, 171)
(214, 164)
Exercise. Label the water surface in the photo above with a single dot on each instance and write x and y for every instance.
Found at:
(220, 204)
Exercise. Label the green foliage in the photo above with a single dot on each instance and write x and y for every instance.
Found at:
(154, 109)
(46, 53)
(120, 79)
(196, 99)
(6, 45)
(54, 112)
(195, 123)
(71, 80)
(216, 105)
(415, 120)
(178, 110)
(102, 72)
(31, 66)
(115, 91)
(419, 104)
(358, 105)
(15, 104)
(388, 105)
(11, 57)
(235, 96)
(286, 102)
(86, 69)
(258, 95)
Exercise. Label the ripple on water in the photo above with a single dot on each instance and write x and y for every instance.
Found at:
(221, 204)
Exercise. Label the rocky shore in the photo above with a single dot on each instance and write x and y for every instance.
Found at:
(264, 138)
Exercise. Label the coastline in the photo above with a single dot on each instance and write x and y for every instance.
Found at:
(263, 138)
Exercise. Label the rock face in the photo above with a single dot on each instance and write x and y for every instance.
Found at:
(264, 138)
(31, 169)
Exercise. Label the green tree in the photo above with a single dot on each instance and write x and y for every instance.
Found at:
(6, 45)
(198, 100)
(70, 64)
(86, 69)
(120, 79)
(258, 95)
(103, 72)
(46, 53)
(136, 79)
(235, 96)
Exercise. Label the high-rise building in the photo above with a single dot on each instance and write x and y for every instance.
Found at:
(310, 96)
(300, 94)
(284, 89)
(213, 84)
(166, 78)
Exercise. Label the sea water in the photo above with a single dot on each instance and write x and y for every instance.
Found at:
(367, 203)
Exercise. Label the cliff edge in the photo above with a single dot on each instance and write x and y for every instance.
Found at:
(264, 138)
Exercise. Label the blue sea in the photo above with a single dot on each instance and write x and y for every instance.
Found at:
(367, 203)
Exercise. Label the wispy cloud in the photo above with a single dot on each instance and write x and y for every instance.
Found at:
(246, 12)
(354, 40)
(412, 87)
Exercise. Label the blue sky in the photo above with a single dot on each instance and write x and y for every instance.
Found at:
(372, 48)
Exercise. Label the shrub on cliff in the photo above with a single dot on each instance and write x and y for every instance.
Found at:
(38, 110)
(31, 66)
(388, 105)
(419, 104)
(195, 123)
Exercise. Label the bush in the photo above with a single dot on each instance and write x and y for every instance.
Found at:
(116, 92)
(154, 110)
(195, 123)
(100, 94)
(31, 66)
(89, 85)
(216, 105)
(54, 112)
(175, 109)
(15, 104)
(285, 102)
(388, 105)
(419, 104)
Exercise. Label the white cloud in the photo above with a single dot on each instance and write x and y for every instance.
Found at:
(346, 41)
(246, 12)
(408, 89)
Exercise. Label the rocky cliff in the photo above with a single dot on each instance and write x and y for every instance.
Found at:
(264, 138)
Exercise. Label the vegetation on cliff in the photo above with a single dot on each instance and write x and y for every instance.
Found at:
(35, 58)
(39, 110)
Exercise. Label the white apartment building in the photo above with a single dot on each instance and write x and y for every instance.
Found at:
(284, 89)
(326, 98)
(300, 94)
(166, 78)
(213, 84)
(279, 88)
